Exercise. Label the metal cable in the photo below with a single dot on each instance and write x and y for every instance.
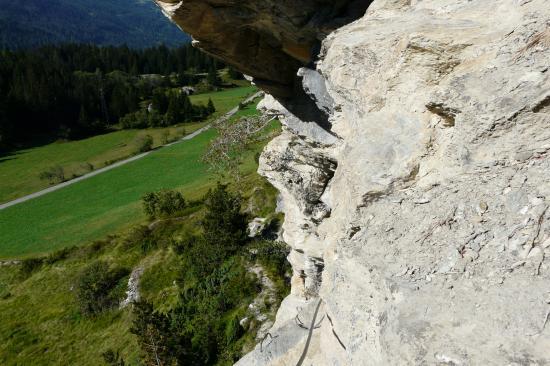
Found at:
(311, 328)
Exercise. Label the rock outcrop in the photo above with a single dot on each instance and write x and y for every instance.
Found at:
(269, 39)
(414, 171)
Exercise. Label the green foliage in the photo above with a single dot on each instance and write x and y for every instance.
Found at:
(234, 74)
(59, 255)
(30, 265)
(224, 225)
(203, 328)
(143, 237)
(109, 201)
(163, 203)
(53, 175)
(233, 330)
(200, 328)
(74, 91)
(139, 119)
(272, 255)
(179, 108)
(144, 143)
(153, 333)
(160, 100)
(112, 358)
(210, 106)
(213, 78)
(40, 313)
(194, 320)
(169, 108)
(95, 285)
(105, 23)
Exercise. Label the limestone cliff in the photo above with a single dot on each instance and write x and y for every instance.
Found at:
(414, 172)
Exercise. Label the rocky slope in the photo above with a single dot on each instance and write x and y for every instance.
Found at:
(414, 173)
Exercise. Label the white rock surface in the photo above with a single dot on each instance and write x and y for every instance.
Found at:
(422, 218)
(256, 227)
(132, 294)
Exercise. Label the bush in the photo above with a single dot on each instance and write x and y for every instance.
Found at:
(144, 143)
(59, 255)
(272, 255)
(137, 119)
(112, 359)
(165, 138)
(53, 175)
(163, 203)
(210, 107)
(141, 236)
(30, 265)
(233, 330)
(154, 335)
(94, 290)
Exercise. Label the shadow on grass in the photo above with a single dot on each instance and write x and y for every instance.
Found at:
(39, 140)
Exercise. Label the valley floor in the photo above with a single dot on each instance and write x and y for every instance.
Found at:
(55, 238)
(106, 203)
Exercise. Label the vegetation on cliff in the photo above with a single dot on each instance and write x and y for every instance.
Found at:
(195, 287)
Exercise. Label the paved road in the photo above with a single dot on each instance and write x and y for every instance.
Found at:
(118, 164)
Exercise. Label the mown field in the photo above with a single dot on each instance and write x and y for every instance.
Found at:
(20, 170)
(109, 202)
(224, 100)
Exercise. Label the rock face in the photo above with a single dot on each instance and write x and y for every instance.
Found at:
(415, 181)
(269, 39)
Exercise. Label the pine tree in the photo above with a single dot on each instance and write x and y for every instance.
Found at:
(212, 76)
(210, 106)
(224, 225)
(160, 101)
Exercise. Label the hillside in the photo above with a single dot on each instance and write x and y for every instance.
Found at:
(136, 23)
(179, 266)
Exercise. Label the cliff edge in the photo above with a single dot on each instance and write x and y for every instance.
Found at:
(414, 171)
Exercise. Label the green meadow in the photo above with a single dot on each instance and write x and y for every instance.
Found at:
(109, 202)
(20, 170)
(95, 220)
(224, 100)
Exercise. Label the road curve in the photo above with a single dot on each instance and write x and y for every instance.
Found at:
(119, 163)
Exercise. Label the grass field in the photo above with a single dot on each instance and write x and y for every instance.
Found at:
(224, 100)
(109, 202)
(19, 171)
(41, 323)
(40, 320)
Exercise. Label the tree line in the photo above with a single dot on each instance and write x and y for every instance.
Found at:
(74, 91)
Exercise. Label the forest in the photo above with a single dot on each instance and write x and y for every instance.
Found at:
(73, 91)
(137, 23)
